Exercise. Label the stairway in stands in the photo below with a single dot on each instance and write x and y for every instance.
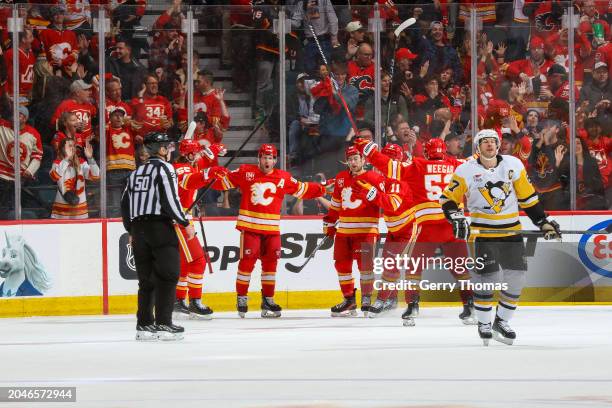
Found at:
(239, 104)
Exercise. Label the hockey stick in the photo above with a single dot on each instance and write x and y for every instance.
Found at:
(538, 233)
(298, 269)
(205, 189)
(208, 262)
(190, 131)
(333, 80)
(398, 31)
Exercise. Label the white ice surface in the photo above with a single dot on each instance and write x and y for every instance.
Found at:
(562, 358)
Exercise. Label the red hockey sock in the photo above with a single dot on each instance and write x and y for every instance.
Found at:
(181, 287)
(366, 283)
(345, 277)
(243, 279)
(268, 283)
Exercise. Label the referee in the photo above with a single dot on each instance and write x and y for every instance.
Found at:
(150, 206)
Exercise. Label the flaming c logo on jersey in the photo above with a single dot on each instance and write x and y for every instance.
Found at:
(258, 192)
(347, 202)
(495, 194)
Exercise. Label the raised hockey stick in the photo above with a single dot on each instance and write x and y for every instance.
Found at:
(398, 31)
(190, 131)
(538, 233)
(298, 269)
(333, 80)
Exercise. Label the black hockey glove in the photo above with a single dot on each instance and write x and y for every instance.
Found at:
(461, 228)
(551, 229)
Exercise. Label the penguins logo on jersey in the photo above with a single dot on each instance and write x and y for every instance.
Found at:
(495, 194)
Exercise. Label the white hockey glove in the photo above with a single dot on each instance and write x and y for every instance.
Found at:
(461, 228)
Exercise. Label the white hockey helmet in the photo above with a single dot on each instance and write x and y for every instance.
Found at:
(486, 134)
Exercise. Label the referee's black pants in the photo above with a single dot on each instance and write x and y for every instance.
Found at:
(156, 255)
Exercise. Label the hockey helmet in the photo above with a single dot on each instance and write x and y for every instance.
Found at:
(486, 134)
(156, 140)
(393, 151)
(189, 146)
(268, 149)
(351, 151)
(435, 149)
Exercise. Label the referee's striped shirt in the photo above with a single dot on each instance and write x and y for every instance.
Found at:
(152, 190)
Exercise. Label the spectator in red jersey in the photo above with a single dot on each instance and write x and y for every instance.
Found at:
(152, 111)
(80, 104)
(168, 41)
(113, 101)
(27, 60)
(123, 66)
(120, 159)
(30, 147)
(70, 172)
(60, 45)
(599, 146)
(407, 138)
(69, 128)
(211, 101)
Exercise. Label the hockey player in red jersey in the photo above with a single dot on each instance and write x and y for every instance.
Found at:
(193, 258)
(353, 219)
(399, 217)
(427, 178)
(263, 188)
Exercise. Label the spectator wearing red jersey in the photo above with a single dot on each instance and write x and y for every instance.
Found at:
(599, 145)
(27, 59)
(152, 112)
(361, 75)
(80, 104)
(211, 101)
(60, 45)
(120, 159)
(68, 128)
(407, 138)
(114, 101)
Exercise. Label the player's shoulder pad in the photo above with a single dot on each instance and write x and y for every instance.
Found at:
(512, 162)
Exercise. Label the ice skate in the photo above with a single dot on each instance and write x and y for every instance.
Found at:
(243, 306)
(390, 304)
(269, 308)
(366, 301)
(415, 306)
(199, 311)
(170, 332)
(376, 309)
(180, 310)
(347, 308)
(502, 332)
(484, 331)
(407, 316)
(468, 315)
(146, 333)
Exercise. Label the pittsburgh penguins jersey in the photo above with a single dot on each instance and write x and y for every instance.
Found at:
(493, 195)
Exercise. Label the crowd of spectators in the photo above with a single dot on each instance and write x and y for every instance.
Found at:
(522, 88)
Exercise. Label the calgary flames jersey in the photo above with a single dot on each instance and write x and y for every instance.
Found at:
(190, 180)
(425, 178)
(397, 207)
(350, 214)
(262, 196)
(493, 195)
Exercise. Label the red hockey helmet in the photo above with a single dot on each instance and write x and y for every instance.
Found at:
(435, 149)
(351, 151)
(187, 146)
(393, 151)
(268, 149)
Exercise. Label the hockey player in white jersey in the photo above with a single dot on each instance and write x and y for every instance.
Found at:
(495, 186)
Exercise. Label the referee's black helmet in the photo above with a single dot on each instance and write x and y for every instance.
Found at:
(153, 141)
